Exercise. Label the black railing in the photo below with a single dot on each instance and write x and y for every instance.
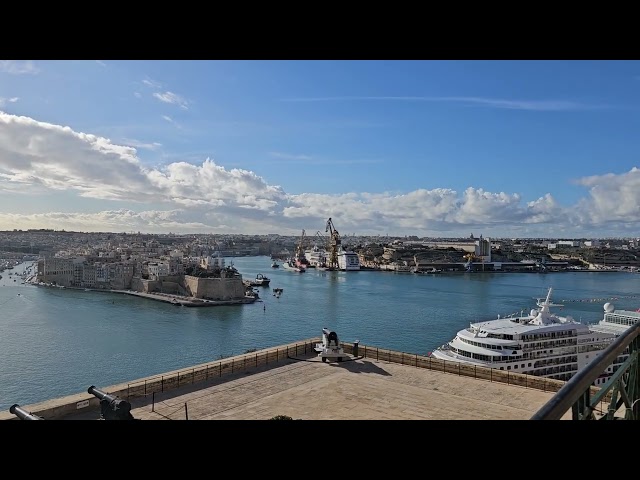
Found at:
(622, 388)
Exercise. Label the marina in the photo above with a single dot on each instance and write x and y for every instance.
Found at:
(53, 341)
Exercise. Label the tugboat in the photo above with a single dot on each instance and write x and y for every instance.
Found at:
(260, 281)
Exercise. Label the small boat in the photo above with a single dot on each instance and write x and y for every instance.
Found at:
(290, 265)
(274, 264)
(260, 281)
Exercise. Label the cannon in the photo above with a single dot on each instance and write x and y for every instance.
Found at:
(330, 346)
(111, 407)
(22, 414)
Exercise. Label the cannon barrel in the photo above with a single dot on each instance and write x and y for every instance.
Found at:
(100, 394)
(22, 414)
(111, 407)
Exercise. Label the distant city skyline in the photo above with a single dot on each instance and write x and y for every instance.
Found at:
(506, 149)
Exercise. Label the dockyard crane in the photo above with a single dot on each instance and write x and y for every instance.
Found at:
(300, 248)
(334, 244)
(471, 258)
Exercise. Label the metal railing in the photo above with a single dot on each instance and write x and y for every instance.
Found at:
(621, 390)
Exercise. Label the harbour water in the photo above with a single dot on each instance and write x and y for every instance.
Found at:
(55, 342)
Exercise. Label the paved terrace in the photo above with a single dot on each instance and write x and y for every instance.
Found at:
(356, 389)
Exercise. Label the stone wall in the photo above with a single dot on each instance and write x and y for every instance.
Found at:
(228, 288)
(170, 284)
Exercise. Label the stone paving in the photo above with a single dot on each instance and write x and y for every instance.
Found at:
(358, 389)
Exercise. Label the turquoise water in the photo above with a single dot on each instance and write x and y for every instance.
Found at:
(56, 342)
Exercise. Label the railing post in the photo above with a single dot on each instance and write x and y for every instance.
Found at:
(220, 368)
(162, 383)
(145, 387)
(186, 413)
(207, 373)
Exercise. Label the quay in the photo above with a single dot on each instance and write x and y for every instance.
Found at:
(177, 300)
(291, 381)
(182, 301)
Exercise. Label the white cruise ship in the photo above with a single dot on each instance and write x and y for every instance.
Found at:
(316, 256)
(348, 260)
(616, 322)
(541, 343)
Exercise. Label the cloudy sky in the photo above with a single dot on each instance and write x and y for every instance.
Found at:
(428, 148)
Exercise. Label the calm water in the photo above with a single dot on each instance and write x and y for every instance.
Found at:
(56, 342)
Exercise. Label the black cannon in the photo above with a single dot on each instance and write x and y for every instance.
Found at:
(111, 407)
(23, 414)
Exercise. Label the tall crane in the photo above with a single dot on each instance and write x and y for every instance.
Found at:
(301, 258)
(334, 244)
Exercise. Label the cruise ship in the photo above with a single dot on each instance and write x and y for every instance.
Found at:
(541, 343)
(348, 260)
(316, 256)
(616, 322)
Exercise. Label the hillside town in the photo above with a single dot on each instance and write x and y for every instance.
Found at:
(146, 262)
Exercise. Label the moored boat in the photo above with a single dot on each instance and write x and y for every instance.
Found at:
(260, 281)
(291, 265)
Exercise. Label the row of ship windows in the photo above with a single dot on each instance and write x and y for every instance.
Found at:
(486, 358)
(531, 346)
(488, 345)
(510, 358)
(622, 321)
(547, 371)
(551, 343)
(539, 336)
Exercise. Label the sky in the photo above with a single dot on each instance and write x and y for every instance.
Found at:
(434, 148)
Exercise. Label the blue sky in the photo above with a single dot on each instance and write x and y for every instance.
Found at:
(428, 148)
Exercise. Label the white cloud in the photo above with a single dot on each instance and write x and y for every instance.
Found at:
(173, 98)
(4, 101)
(289, 156)
(18, 67)
(138, 144)
(308, 160)
(101, 63)
(612, 198)
(151, 83)
(137, 94)
(510, 104)
(208, 197)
